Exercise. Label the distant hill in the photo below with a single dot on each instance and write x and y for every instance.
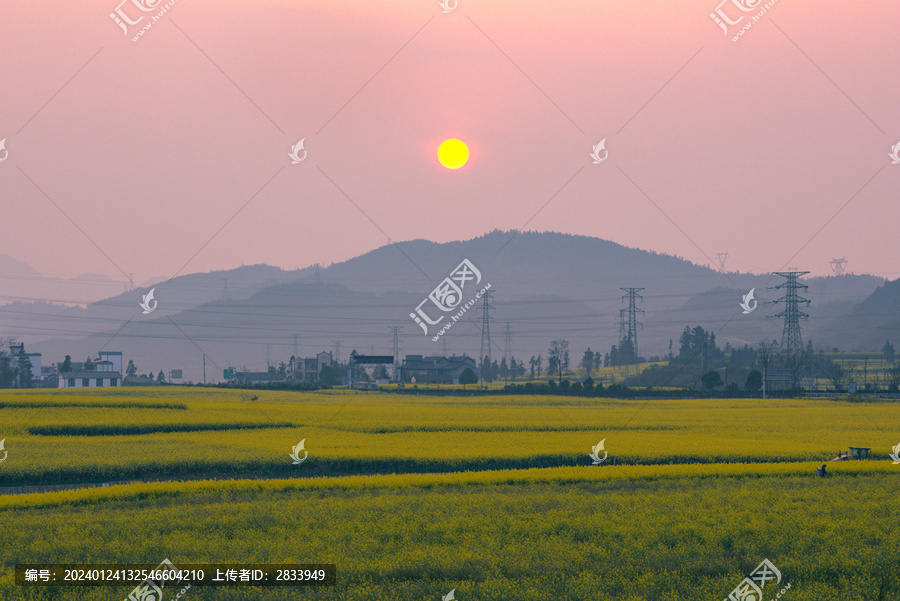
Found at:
(547, 286)
(20, 282)
(31, 322)
(868, 324)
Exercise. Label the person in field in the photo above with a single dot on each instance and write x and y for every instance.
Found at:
(821, 471)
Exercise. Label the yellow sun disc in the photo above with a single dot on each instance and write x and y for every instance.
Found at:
(453, 153)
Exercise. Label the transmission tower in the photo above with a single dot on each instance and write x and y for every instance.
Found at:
(486, 327)
(633, 296)
(622, 328)
(297, 345)
(268, 356)
(791, 340)
(507, 343)
(337, 351)
(837, 265)
(225, 289)
(722, 258)
(443, 347)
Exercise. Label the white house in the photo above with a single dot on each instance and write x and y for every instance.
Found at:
(107, 371)
(89, 379)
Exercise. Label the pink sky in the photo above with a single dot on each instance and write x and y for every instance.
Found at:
(150, 149)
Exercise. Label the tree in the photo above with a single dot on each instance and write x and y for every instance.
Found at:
(160, 377)
(893, 378)
(766, 353)
(754, 381)
(468, 376)
(381, 373)
(551, 366)
(331, 375)
(540, 364)
(888, 351)
(835, 373)
(559, 351)
(587, 362)
(66, 365)
(711, 379)
(88, 364)
(23, 371)
(129, 371)
(7, 372)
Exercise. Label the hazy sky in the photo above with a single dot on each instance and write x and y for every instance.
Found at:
(762, 147)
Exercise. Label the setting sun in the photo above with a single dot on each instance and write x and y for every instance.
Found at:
(453, 153)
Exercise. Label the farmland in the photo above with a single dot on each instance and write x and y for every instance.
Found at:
(494, 496)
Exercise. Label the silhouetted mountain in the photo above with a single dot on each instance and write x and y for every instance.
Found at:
(867, 325)
(19, 282)
(31, 322)
(546, 286)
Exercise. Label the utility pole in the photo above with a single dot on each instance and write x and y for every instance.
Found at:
(791, 339)
(507, 349)
(204, 368)
(396, 331)
(631, 335)
(268, 356)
